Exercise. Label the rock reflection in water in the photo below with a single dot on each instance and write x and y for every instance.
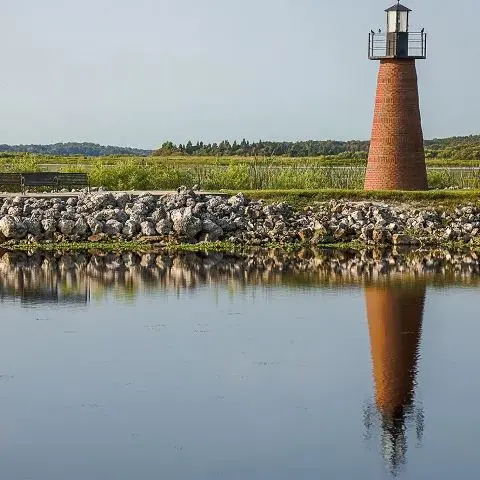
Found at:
(37, 280)
(395, 313)
(71, 278)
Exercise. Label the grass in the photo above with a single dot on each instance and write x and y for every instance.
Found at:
(128, 174)
(212, 247)
(305, 197)
(142, 247)
(185, 160)
(315, 178)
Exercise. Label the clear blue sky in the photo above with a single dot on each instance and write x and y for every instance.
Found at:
(137, 72)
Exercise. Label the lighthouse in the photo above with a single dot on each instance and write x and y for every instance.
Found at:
(396, 159)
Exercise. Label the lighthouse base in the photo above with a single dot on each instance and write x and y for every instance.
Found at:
(396, 159)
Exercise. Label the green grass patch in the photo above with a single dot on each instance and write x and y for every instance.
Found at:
(308, 196)
(296, 179)
(136, 246)
(220, 247)
(142, 247)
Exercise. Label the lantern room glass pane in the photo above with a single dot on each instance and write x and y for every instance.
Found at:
(392, 22)
(403, 27)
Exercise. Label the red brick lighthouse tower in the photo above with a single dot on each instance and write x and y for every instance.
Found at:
(396, 160)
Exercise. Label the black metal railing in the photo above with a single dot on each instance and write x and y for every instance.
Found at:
(378, 48)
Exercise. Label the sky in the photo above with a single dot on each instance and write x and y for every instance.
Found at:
(139, 72)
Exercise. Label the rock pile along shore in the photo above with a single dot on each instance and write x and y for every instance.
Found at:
(191, 217)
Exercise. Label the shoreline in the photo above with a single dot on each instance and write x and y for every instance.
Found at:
(229, 248)
(187, 220)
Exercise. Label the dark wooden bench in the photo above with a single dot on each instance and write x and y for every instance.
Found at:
(8, 179)
(39, 179)
(73, 180)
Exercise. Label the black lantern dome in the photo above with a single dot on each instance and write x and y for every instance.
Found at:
(397, 41)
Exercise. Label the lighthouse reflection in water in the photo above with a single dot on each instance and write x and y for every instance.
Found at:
(395, 313)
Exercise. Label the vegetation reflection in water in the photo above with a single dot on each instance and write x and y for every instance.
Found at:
(394, 306)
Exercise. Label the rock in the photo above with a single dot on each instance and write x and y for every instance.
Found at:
(209, 226)
(112, 227)
(239, 223)
(357, 216)
(185, 223)
(401, 239)
(238, 200)
(120, 215)
(49, 225)
(199, 209)
(12, 228)
(34, 226)
(15, 211)
(121, 199)
(213, 203)
(66, 226)
(100, 200)
(136, 217)
(158, 214)
(226, 224)
(148, 229)
(212, 231)
(131, 228)
(96, 226)
(81, 227)
(139, 208)
(104, 215)
(164, 227)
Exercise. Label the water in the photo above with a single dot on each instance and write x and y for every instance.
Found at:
(204, 367)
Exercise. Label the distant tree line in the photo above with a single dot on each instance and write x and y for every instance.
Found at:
(464, 148)
(310, 148)
(74, 148)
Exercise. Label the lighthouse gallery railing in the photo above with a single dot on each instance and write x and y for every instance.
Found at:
(377, 45)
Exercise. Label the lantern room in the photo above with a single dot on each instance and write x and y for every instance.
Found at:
(397, 41)
(397, 19)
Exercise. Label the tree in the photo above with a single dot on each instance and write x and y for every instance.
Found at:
(166, 150)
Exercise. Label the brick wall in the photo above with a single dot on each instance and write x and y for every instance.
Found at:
(396, 159)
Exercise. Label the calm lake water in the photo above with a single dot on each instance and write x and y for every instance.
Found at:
(176, 369)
